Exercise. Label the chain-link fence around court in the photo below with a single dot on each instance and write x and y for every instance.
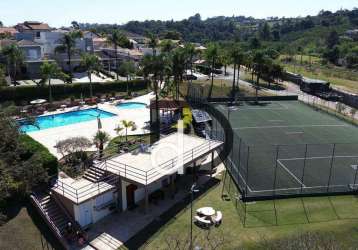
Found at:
(270, 171)
(265, 171)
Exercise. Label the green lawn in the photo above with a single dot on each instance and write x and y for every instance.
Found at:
(339, 77)
(334, 217)
(25, 229)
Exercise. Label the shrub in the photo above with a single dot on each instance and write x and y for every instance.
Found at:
(21, 93)
(49, 162)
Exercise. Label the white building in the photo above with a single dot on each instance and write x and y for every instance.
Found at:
(128, 179)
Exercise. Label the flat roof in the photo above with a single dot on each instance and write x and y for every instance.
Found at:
(80, 190)
(165, 157)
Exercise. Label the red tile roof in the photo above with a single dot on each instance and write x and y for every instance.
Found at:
(9, 30)
(33, 26)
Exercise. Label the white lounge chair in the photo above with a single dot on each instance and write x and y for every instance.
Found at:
(218, 218)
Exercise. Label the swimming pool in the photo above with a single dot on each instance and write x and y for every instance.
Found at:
(63, 119)
(131, 105)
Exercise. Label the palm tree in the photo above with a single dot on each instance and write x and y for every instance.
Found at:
(237, 57)
(178, 67)
(91, 63)
(127, 125)
(212, 54)
(166, 46)
(117, 39)
(191, 52)
(225, 59)
(68, 46)
(153, 43)
(154, 65)
(15, 58)
(99, 140)
(260, 61)
(127, 69)
(48, 71)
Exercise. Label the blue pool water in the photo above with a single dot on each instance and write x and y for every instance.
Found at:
(131, 105)
(63, 119)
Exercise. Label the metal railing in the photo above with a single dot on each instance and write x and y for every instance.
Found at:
(148, 176)
(78, 193)
(49, 221)
(145, 177)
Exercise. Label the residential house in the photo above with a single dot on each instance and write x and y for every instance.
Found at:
(33, 58)
(352, 34)
(8, 32)
(30, 30)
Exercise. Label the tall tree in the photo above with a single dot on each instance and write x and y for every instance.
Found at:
(153, 43)
(118, 39)
(212, 54)
(128, 125)
(265, 32)
(237, 57)
(260, 61)
(15, 58)
(332, 39)
(91, 63)
(178, 67)
(154, 65)
(99, 140)
(166, 46)
(48, 71)
(68, 46)
(127, 69)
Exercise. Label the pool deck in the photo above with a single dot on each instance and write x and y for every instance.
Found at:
(50, 137)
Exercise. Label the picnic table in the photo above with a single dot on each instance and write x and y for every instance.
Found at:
(207, 211)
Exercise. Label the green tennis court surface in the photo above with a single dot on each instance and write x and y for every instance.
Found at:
(288, 148)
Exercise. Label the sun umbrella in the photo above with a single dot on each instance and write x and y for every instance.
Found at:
(99, 123)
(38, 101)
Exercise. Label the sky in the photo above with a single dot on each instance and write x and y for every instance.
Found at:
(62, 12)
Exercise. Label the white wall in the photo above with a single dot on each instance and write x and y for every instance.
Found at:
(93, 215)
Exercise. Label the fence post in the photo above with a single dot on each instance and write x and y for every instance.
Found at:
(355, 177)
(238, 164)
(274, 183)
(304, 167)
(330, 171)
(247, 170)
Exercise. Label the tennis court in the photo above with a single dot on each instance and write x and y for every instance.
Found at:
(288, 148)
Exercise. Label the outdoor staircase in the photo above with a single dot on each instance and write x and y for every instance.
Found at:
(53, 215)
(54, 212)
(94, 174)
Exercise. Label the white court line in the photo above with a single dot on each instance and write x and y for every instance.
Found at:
(319, 157)
(290, 126)
(288, 171)
(243, 109)
(299, 188)
(294, 133)
(248, 187)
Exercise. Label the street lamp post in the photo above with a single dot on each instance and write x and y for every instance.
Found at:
(192, 191)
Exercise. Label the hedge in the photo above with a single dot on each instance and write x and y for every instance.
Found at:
(28, 93)
(49, 162)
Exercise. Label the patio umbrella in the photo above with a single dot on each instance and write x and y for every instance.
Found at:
(99, 123)
(38, 101)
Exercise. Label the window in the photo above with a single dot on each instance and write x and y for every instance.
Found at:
(38, 34)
